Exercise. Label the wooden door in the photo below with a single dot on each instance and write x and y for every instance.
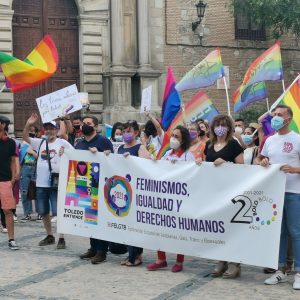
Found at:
(32, 20)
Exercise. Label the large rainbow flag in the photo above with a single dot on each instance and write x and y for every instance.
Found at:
(205, 74)
(171, 101)
(37, 67)
(252, 93)
(291, 98)
(199, 107)
(267, 66)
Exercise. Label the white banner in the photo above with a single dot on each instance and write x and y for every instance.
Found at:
(231, 212)
(59, 103)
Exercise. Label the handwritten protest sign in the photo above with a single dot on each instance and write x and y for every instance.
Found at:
(146, 99)
(59, 103)
(179, 208)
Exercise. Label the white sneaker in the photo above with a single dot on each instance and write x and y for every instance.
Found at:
(278, 277)
(296, 284)
(3, 230)
(15, 219)
(13, 245)
(54, 219)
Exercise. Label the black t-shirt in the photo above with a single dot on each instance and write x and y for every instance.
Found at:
(100, 142)
(7, 151)
(228, 153)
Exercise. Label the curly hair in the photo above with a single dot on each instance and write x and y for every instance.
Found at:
(185, 136)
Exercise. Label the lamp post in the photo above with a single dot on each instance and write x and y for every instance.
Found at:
(200, 12)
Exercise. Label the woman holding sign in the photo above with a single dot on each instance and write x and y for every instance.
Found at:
(222, 148)
(180, 142)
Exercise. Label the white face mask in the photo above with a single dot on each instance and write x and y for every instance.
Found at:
(238, 130)
(118, 138)
(174, 143)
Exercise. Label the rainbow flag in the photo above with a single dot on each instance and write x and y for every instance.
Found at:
(37, 67)
(267, 66)
(199, 107)
(171, 102)
(205, 74)
(243, 96)
(291, 98)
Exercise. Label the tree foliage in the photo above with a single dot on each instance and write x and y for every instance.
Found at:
(280, 16)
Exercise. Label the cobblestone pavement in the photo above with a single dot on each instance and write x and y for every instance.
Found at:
(35, 272)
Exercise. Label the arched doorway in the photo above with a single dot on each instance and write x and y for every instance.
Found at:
(32, 20)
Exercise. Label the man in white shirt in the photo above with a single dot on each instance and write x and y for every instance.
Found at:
(49, 150)
(284, 148)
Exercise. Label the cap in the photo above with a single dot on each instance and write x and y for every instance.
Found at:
(53, 123)
(4, 119)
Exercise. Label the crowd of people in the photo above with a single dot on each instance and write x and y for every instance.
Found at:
(37, 158)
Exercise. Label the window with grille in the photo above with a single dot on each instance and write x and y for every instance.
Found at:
(247, 30)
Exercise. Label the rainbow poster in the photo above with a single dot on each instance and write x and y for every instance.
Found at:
(82, 191)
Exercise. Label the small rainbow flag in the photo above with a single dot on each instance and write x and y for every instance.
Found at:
(171, 102)
(243, 96)
(199, 107)
(205, 74)
(38, 66)
(267, 66)
(291, 98)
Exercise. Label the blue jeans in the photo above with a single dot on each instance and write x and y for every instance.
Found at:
(27, 174)
(290, 225)
(44, 196)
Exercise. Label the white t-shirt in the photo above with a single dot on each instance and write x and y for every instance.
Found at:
(248, 155)
(186, 156)
(285, 150)
(42, 169)
(157, 142)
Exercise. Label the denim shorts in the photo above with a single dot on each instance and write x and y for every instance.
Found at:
(44, 196)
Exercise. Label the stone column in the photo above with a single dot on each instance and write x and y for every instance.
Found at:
(143, 33)
(117, 33)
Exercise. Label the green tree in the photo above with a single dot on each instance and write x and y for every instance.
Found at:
(280, 16)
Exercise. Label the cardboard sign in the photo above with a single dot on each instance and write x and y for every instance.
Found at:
(59, 103)
(146, 99)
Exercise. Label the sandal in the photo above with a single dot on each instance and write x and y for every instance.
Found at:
(233, 271)
(136, 263)
(124, 262)
(220, 268)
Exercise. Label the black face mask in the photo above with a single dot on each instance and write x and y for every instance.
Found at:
(76, 127)
(202, 132)
(32, 135)
(87, 129)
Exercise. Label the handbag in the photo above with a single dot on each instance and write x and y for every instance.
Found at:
(31, 191)
(54, 177)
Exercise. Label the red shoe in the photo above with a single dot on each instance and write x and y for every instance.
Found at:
(177, 268)
(155, 266)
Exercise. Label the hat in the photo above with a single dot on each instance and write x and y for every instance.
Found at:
(53, 123)
(4, 119)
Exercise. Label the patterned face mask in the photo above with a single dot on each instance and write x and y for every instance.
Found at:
(220, 131)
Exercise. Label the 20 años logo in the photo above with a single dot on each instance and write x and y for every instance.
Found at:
(255, 209)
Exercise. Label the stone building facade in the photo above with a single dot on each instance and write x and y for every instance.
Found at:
(127, 45)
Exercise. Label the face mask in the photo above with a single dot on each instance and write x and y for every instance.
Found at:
(277, 122)
(238, 130)
(87, 129)
(174, 143)
(32, 135)
(193, 134)
(118, 138)
(128, 137)
(220, 131)
(76, 127)
(247, 139)
(202, 132)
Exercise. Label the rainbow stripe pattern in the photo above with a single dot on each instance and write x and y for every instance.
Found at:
(268, 66)
(199, 107)
(291, 98)
(244, 96)
(205, 74)
(171, 101)
(38, 66)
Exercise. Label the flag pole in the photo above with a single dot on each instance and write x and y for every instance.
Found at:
(183, 115)
(2, 88)
(227, 96)
(283, 85)
(268, 106)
